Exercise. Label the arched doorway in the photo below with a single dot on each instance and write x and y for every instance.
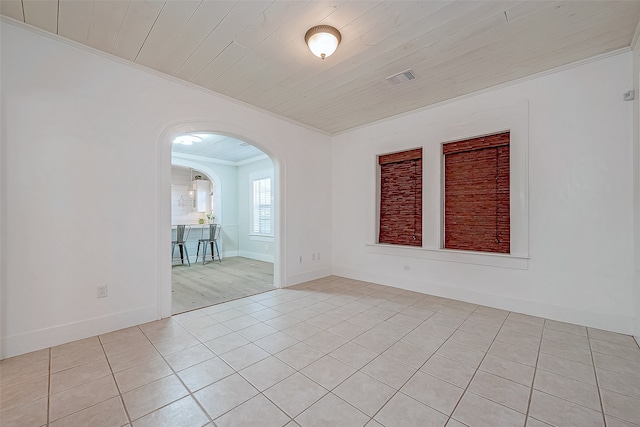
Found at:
(164, 201)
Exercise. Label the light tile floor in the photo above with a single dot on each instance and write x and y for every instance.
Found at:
(332, 352)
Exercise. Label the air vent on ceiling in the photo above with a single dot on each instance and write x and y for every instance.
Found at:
(402, 77)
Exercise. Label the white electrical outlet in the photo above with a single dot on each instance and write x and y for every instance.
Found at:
(300, 259)
(407, 268)
(102, 291)
(318, 257)
(313, 256)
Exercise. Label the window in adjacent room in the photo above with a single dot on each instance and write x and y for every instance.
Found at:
(261, 205)
(401, 198)
(476, 194)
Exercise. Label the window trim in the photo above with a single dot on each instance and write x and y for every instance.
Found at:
(257, 176)
(513, 118)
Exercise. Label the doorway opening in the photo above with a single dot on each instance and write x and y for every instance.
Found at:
(223, 193)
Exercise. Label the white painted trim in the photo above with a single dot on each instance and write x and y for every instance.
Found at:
(218, 161)
(85, 328)
(636, 35)
(448, 255)
(157, 73)
(260, 238)
(605, 321)
(308, 275)
(256, 255)
(252, 160)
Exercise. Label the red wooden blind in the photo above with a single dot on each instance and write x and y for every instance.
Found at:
(476, 201)
(401, 198)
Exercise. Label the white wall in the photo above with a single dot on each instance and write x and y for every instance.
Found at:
(572, 190)
(84, 135)
(636, 182)
(251, 247)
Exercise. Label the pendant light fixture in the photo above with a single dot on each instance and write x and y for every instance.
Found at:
(191, 183)
(323, 40)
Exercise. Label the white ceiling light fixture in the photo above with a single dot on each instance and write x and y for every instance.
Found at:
(187, 139)
(323, 40)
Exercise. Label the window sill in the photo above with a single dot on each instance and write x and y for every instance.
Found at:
(261, 238)
(448, 255)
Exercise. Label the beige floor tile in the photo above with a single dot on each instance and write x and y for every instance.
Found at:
(267, 372)
(148, 398)
(556, 411)
(461, 305)
(169, 330)
(241, 322)
(224, 395)
(79, 375)
(74, 346)
(364, 320)
(532, 422)
(81, 397)
(205, 373)
(126, 343)
(258, 411)
(18, 374)
(24, 359)
(566, 327)
(324, 321)
(328, 372)
(577, 354)
(612, 337)
(325, 341)
(454, 312)
(21, 394)
(566, 388)
(514, 353)
(142, 374)
(244, 356)
(189, 357)
(175, 344)
(403, 411)
(76, 358)
(331, 411)
(432, 391)
(257, 332)
(514, 371)
(375, 341)
(408, 354)
(435, 329)
(299, 355)
(347, 330)
(406, 320)
(500, 390)
(390, 329)
(524, 318)
(628, 384)
(184, 412)
(518, 339)
(282, 322)
(423, 340)
(107, 413)
(488, 320)
(226, 343)
(127, 359)
(616, 422)
(119, 334)
(472, 340)
(616, 364)
(566, 338)
(477, 411)
(461, 353)
(301, 331)
(379, 313)
(364, 392)
(276, 342)
(568, 368)
(621, 406)
(295, 394)
(448, 370)
(442, 319)
(622, 351)
(522, 328)
(373, 423)
(29, 414)
(389, 371)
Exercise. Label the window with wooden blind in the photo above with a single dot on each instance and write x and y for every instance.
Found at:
(476, 194)
(401, 198)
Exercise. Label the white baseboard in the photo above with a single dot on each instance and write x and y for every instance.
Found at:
(55, 335)
(605, 321)
(256, 255)
(306, 276)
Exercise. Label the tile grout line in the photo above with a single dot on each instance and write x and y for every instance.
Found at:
(113, 375)
(49, 388)
(595, 372)
(535, 371)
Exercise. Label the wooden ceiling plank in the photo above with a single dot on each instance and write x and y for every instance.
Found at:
(408, 38)
(106, 22)
(204, 20)
(171, 21)
(42, 14)
(227, 58)
(233, 24)
(12, 9)
(74, 19)
(136, 26)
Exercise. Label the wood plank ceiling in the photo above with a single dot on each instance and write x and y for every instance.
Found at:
(254, 51)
